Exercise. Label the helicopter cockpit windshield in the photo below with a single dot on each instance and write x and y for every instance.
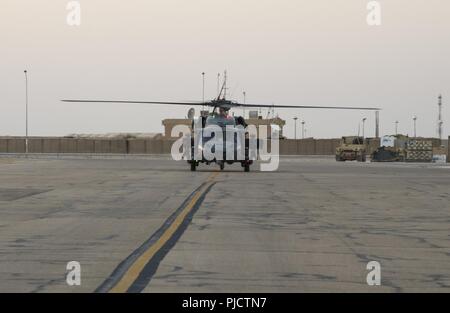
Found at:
(220, 121)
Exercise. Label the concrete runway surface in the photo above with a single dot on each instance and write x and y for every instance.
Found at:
(151, 225)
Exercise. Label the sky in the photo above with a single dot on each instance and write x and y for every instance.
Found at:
(293, 52)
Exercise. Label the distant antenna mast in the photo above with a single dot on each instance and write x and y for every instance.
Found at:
(224, 87)
(218, 85)
(440, 122)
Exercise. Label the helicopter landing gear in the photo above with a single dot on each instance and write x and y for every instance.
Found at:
(246, 165)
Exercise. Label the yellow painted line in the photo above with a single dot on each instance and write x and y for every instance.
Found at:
(213, 176)
(135, 270)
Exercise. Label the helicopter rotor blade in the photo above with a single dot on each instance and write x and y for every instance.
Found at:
(225, 105)
(303, 107)
(134, 102)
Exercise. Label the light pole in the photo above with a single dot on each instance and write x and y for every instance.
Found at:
(415, 126)
(396, 128)
(295, 129)
(243, 109)
(363, 122)
(303, 129)
(203, 91)
(440, 122)
(26, 111)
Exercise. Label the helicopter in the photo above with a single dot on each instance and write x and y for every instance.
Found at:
(205, 127)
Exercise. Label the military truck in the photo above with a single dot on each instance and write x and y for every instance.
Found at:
(392, 149)
(351, 148)
(388, 154)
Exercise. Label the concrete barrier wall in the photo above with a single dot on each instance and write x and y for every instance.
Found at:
(154, 146)
(16, 145)
(51, 145)
(102, 146)
(63, 145)
(68, 146)
(119, 146)
(308, 146)
(35, 145)
(322, 147)
(288, 147)
(3, 145)
(85, 146)
(167, 145)
(150, 146)
(137, 146)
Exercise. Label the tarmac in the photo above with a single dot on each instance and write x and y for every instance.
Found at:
(148, 224)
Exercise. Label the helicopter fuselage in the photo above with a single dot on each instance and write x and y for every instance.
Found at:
(219, 139)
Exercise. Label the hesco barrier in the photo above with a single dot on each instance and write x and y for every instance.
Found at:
(419, 150)
(63, 145)
(152, 145)
(308, 146)
(143, 146)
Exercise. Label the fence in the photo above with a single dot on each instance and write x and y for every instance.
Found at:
(92, 146)
(152, 145)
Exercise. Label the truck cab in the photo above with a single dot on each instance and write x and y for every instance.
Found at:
(351, 148)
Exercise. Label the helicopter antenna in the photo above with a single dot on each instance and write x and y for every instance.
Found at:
(218, 85)
(270, 112)
(233, 90)
(224, 87)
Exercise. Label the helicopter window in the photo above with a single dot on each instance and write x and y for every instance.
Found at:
(220, 121)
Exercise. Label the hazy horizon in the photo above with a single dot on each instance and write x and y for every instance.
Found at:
(282, 52)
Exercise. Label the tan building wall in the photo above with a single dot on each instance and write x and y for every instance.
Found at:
(169, 124)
